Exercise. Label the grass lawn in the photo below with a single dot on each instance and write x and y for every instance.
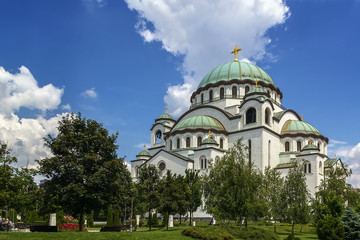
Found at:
(144, 234)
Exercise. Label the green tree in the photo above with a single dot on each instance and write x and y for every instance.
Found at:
(148, 186)
(85, 173)
(193, 198)
(116, 216)
(183, 201)
(295, 195)
(90, 219)
(351, 221)
(330, 228)
(273, 185)
(233, 187)
(110, 217)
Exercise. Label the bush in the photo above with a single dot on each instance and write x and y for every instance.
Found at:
(165, 220)
(351, 221)
(90, 219)
(154, 220)
(292, 237)
(31, 216)
(116, 217)
(330, 228)
(110, 218)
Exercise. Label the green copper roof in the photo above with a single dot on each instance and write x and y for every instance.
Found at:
(144, 153)
(310, 147)
(165, 116)
(296, 126)
(209, 141)
(330, 162)
(257, 90)
(195, 122)
(236, 70)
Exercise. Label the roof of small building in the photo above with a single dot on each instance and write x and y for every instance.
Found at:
(330, 162)
(310, 147)
(296, 126)
(236, 70)
(165, 116)
(143, 153)
(199, 122)
(209, 141)
(286, 165)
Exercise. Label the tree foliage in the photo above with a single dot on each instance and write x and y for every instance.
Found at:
(233, 187)
(351, 221)
(85, 173)
(193, 197)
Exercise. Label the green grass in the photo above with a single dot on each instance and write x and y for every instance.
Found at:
(143, 234)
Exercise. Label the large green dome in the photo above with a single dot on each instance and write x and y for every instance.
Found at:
(199, 122)
(236, 70)
(296, 126)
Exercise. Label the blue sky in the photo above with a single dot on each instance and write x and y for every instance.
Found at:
(121, 62)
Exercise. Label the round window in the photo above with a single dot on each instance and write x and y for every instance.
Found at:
(162, 166)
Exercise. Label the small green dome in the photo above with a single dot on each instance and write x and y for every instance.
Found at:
(296, 126)
(196, 122)
(165, 116)
(143, 153)
(209, 141)
(310, 147)
(236, 70)
(257, 90)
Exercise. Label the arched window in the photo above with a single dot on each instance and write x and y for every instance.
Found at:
(309, 165)
(249, 144)
(268, 92)
(298, 146)
(320, 167)
(202, 98)
(211, 95)
(199, 141)
(170, 145)
(247, 89)
(203, 162)
(222, 93)
(234, 92)
(221, 143)
(250, 115)
(319, 146)
(178, 143)
(267, 116)
(287, 147)
(188, 142)
(158, 136)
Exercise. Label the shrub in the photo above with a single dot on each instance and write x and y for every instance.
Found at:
(70, 227)
(90, 219)
(165, 220)
(351, 221)
(31, 216)
(330, 228)
(110, 218)
(292, 237)
(116, 217)
(154, 219)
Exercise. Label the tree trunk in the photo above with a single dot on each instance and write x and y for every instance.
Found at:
(81, 220)
(167, 224)
(150, 220)
(245, 223)
(274, 226)
(292, 230)
(301, 226)
(190, 218)
(180, 219)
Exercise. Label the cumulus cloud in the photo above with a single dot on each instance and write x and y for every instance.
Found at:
(141, 145)
(21, 90)
(90, 4)
(66, 107)
(90, 93)
(25, 135)
(204, 32)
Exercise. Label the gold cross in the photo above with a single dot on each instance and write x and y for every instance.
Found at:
(309, 140)
(235, 52)
(144, 147)
(209, 134)
(166, 109)
(302, 117)
(256, 83)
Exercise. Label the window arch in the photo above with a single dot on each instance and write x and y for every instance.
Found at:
(250, 115)
(319, 145)
(188, 142)
(171, 145)
(287, 147)
(221, 143)
(203, 162)
(177, 143)
(249, 145)
(247, 89)
(158, 136)
(269, 153)
(211, 96)
(199, 141)
(202, 98)
(267, 116)
(234, 92)
(222, 93)
(298, 146)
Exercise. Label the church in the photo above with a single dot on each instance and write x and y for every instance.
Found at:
(237, 100)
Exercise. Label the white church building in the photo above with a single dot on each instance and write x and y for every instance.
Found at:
(236, 100)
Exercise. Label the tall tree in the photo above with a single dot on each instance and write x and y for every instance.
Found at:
(85, 173)
(148, 186)
(296, 195)
(273, 185)
(193, 182)
(233, 187)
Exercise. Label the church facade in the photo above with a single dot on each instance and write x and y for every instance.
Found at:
(237, 100)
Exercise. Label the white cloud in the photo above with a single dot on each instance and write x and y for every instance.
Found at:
(90, 3)
(25, 135)
(21, 90)
(91, 93)
(141, 145)
(66, 107)
(204, 32)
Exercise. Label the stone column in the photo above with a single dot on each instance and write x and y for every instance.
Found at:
(137, 220)
(52, 221)
(171, 220)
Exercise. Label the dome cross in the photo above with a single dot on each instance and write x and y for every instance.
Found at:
(166, 109)
(302, 116)
(235, 52)
(144, 147)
